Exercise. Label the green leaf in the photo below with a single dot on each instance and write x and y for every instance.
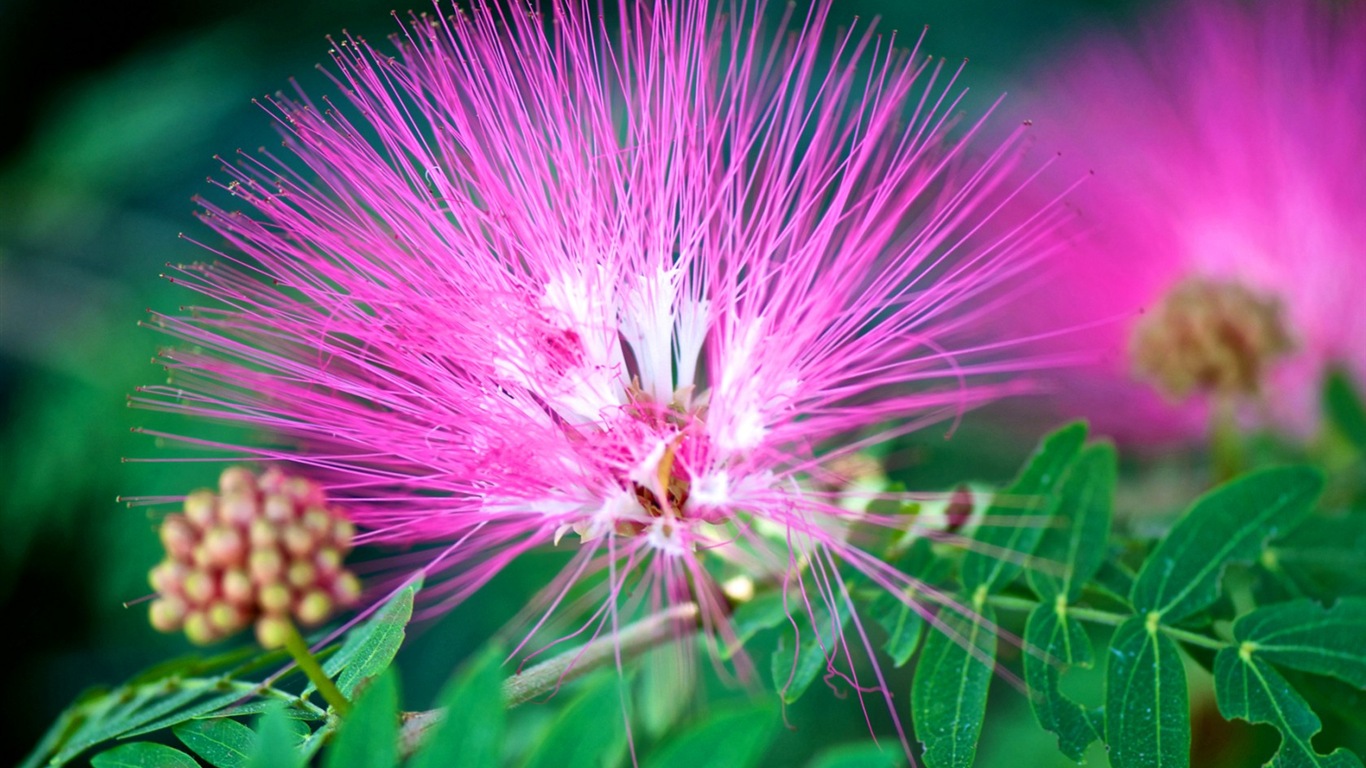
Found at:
(949, 692)
(371, 647)
(1344, 408)
(1078, 541)
(1229, 524)
(474, 736)
(276, 742)
(1322, 556)
(143, 754)
(867, 755)
(1248, 688)
(1031, 495)
(1147, 710)
(1114, 580)
(1053, 638)
(763, 612)
(222, 742)
(904, 624)
(665, 688)
(1306, 636)
(588, 733)
(731, 738)
(816, 644)
(369, 734)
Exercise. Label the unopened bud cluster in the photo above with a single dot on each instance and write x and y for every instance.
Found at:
(1209, 336)
(260, 551)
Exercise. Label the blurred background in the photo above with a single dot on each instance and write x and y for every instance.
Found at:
(115, 112)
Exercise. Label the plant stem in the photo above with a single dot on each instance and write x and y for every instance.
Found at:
(570, 665)
(1106, 617)
(294, 643)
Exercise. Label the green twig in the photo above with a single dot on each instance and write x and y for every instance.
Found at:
(294, 643)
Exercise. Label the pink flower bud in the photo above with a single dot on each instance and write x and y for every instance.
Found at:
(237, 587)
(167, 613)
(237, 480)
(263, 534)
(224, 546)
(266, 566)
(317, 521)
(178, 536)
(168, 577)
(199, 508)
(200, 587)
(237, 509)
(278, 508)
(297, 540)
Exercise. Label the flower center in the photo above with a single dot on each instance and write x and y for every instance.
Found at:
(1209, 336)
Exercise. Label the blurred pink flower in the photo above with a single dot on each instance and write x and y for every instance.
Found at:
(529, 286)
(1224, 148)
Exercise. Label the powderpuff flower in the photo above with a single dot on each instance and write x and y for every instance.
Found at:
(630, 288)
(1227, 235)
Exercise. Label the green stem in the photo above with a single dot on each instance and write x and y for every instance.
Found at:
(1106, 617)
(294, 643)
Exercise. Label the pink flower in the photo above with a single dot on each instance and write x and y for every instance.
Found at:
(1222, 148)
(634, 288)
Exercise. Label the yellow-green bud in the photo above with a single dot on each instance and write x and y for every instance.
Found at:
(297, 540)
(328, 560)
(263, 534)
(346, 588)
(199, 629)
(274, 598)
(302, 574)
(313, 607)
(266, 565)
(168, 577)
(237, 480)
(271, 631)
(178, 536)
(224, 546)
(237, 587)
(167, 613)
(225, 618)
(199, 587)
(199, 508)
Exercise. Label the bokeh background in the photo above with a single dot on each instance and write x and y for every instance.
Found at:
(113, 114)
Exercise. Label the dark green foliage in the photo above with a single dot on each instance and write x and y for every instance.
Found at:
(471, 731)
(1147, 710)
(949, 692)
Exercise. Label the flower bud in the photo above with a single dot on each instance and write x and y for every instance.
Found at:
(224, 546)
(199, 509)
(237, 509)
(264, 534)
(237, 587)
(278, 508)
(343, 533)
(199, 587)
(297, 540)
(274, 598)
(271, 631)
(168, 578)
(317, 521)
(168, 613)
(178, 536)
(225, 618)
(237, 480)
(266, 566)
(313, 607)
(198, 628)
(302, 574)
(328, 561)
(346, 588)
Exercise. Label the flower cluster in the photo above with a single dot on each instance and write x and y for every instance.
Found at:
(1218, 144)
(259, 552)
(644, 287)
